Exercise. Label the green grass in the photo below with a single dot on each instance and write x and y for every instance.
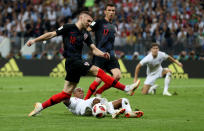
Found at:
(182, 112)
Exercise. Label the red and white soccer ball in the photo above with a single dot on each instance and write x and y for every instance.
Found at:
(99, 110)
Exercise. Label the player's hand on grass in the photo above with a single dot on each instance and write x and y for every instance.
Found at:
(106, 55)
(30, 42)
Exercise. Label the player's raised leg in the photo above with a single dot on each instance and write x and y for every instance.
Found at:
(57, 98)
(92, 88)
(116, 75)
(111, 81)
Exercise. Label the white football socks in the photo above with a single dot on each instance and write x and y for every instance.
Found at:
(167, 81)
(152, 88)
(127, 88)
(126, 105)
(111, 109)
(109, 105)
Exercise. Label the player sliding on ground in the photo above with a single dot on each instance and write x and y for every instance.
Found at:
(154, 70)
(74, 37)
(79, 106)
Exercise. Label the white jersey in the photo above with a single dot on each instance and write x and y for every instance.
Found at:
(77, 106)
(153, 64)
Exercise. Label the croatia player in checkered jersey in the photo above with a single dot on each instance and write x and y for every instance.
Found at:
(154, 70)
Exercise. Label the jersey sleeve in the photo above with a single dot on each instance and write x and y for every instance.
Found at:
(88, 40)
(164, 55)
(95, 25)
(62, 30)
(144, 61)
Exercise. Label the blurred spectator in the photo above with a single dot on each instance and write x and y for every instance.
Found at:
(139, 45)
(34, 55)
(52, 16)
(131, 38)
(0, 56)
(15, 41)
(175, 25)
(44, 55)
(135, 56)
(119, 54)
(192, 56)
(1, 37)
(10, 55)
(66, 12)
(182, 56)
(19, 56)
(201, 56)
(57, 55)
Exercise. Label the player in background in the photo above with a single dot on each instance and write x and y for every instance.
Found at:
(77, 105)
(105, 30)
(154, 70)
(74, 36)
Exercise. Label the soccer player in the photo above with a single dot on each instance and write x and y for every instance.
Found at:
(105, 30)
(154, 70)
(74, 36)
(77, 105)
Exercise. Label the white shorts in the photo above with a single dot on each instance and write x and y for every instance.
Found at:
(151, 78)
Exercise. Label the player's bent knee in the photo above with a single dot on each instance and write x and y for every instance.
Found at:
(144, 91)
(98, 80)
(117, 77)
(94, 70)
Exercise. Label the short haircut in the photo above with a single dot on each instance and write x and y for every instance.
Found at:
(109, 4)
(78, 88)
(86, 12)
(154, 44)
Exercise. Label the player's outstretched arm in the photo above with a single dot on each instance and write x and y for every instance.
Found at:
(175, 61)
(98, 52)
(45, 36)
(137, 70)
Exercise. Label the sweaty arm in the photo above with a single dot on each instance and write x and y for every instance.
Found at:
(137, 70)
(175, 61)
(98, 52)
(45, 36)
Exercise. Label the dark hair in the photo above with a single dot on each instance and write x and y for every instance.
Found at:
(109, 4)
(85, 12)
(154, 44)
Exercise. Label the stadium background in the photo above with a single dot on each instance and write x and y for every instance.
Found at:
(177, 25)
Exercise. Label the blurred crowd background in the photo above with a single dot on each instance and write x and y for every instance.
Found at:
(176, 25)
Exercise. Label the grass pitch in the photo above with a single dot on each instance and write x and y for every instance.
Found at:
(182, 111)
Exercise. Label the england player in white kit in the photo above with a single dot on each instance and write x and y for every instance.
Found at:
(154, 70)
(77, 105)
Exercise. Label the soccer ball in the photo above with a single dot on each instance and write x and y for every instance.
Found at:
(99, 110)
